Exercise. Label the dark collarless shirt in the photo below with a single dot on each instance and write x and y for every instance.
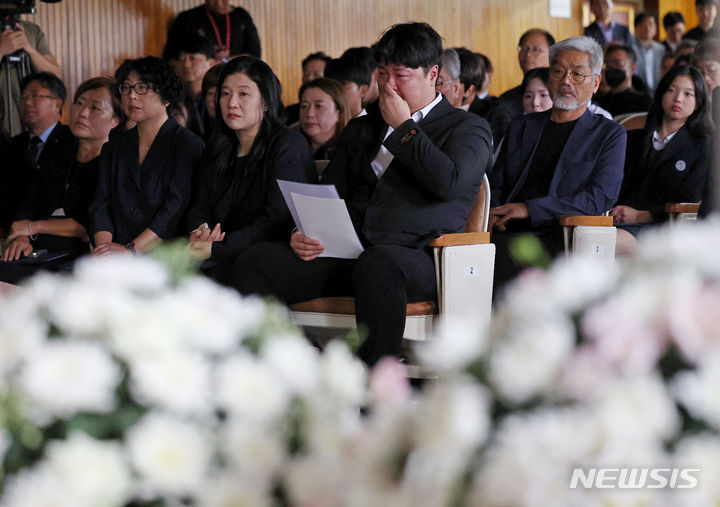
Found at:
(548, 151)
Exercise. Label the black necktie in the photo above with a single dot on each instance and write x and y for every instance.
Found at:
(33, 150)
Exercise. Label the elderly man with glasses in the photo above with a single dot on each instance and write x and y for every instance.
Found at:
(564, 161)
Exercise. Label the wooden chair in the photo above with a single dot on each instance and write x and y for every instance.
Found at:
(632, 121)
(589, 235)
(682, 212)
(464, 267)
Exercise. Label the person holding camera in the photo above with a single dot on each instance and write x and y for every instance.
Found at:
(24, 51)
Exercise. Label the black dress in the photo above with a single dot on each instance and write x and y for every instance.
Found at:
(247, 202)
(41, 204)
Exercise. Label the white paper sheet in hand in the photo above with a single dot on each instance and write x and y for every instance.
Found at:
(287, 187)
(328, 221)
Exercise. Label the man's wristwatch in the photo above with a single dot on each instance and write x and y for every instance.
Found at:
(131, 246)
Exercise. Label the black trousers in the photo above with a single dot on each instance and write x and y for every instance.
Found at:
(506, 266)
(383, 280)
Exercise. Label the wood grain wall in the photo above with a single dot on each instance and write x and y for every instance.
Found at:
(91, 37)
(686, 7)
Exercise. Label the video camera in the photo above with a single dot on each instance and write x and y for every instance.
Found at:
(11, 9)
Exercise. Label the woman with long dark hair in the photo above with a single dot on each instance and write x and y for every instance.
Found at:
(667, 160)
(238, 201)
(146, 172)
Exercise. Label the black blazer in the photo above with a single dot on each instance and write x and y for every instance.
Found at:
(621, 34)
(482, 107)
(429, 187)
(250, 207)
(677, 173)
(131, 197)
(48, 179)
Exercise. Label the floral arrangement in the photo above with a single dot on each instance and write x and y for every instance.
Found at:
(121, 386)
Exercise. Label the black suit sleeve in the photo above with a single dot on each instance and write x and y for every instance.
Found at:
(184, 162)
(444, 171)
(99, 212)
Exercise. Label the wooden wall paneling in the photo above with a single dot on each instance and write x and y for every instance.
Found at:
(686, 7)
(92, 37)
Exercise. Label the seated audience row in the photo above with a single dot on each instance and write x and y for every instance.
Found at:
(408, 171)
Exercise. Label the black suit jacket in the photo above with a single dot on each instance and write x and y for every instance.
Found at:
(131, 197)
(429, 187)
(482, 107)
(248, 204)
(677, 173)
(48, 178)
(620, 34)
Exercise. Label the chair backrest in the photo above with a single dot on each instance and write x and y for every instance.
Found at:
(480, 213)
(633, 121)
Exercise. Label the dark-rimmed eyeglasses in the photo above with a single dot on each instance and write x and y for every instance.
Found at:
(35, 96)
(139, 87)
(558, 74)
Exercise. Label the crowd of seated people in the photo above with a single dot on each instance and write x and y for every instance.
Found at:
(191, 146)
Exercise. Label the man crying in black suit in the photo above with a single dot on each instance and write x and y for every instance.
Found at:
(408, 174)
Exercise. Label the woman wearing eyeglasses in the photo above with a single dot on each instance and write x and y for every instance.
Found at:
(145, 173)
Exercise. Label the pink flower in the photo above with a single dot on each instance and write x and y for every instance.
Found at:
(388, 382)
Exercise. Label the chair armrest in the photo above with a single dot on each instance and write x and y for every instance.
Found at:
(682, 207)
(594, 221)
(461, 238)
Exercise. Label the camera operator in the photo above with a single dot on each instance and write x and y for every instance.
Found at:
(24, 50)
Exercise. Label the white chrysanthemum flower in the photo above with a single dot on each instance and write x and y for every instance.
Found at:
(693, 246)
(146, 332)
(35, 487)
(699, 452)
(636, 410)
(454, 344)
(532, 456)
(317, 480)
(699, 390)
(249, 389)
(213, 318)
(123, 272)
(454, 416)
(93, 471)
(528, 361)
(88, 310)
(342, 376)
(65, 377)
(22, 332)
(629, 329)
(577, 281)
(177, 382)
(255, 452)
(171, 456)
(452, 421)
(692, 316)
(229, 489)
(293, 361)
